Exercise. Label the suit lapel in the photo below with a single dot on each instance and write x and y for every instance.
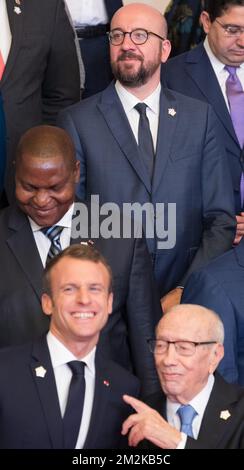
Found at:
(214, 426)
(100, 409)
(168, 118)
(116, 119)
(199, 68)
(16, 27)
(22, 244)
(43, 376)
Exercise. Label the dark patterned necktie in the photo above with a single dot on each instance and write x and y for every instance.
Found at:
(235, 95)
(53, 233)
(145, 141)
(186, 413)
(75, 402)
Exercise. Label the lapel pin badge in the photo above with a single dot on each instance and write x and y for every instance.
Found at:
(225, 414)
(106, 382)
(17, 10)
(171, 112)
(40, 372)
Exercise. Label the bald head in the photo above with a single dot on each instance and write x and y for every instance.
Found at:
(46, 174)
(148, 17)
(193, 322)
(46, 142)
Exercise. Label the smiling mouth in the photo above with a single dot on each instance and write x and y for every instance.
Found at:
(83, 315)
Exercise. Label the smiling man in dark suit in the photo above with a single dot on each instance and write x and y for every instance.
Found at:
(201, 73)
(41, 74)
(185, 167)
(44, 412)
(46, 174)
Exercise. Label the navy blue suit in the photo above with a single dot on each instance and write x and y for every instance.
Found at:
(96, 58)
(30, 414)
(190, 171)
(220, 286)
(192, 74)
(2, 145)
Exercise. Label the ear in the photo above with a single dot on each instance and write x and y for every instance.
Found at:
(216, 356)
(166, 49)
(77, 171)
(205, 20)
(47, 304)
(110, 303)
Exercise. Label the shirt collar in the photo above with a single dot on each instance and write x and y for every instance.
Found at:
(65, 221)
(199, 402)
(129, 100)
(60, 355)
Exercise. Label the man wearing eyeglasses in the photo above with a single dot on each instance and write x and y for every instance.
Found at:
(207, 73)
(143, 145)
(197, 408)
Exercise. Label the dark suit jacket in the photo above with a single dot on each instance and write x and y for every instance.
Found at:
(42, 72)
(96, 57)
(2, 145)
(136, 308)
(30, 413)
(190, 171)
(215, 432)
(220, 286)
(192, 74)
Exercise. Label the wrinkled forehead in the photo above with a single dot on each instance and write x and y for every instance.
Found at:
(183, 326)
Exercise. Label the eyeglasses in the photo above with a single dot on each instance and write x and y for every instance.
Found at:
(137, 36)
(183, 348)
(231, 30)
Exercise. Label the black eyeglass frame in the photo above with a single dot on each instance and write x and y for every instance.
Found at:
(195, 343)
(130, 34)
(237, 34)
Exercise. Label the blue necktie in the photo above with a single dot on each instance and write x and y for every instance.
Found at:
(75, 402)
(235, 95)
(145, 141)
(53, 233)
(186, 413)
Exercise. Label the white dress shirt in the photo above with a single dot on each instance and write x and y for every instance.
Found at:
(87, 12)
(199, 403)
(220, 72)
(129, 101)
(60, 355)
(43, 243)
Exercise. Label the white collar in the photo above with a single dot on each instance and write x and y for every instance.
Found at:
(129, 100)
(60, 355)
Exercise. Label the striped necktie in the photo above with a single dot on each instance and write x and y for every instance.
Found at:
(53, 233)
(5, 36)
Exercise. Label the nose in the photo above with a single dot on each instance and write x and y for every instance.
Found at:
(128, 43)
(83, 296)
(240, 40)
(170, 356)
(41, 198)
